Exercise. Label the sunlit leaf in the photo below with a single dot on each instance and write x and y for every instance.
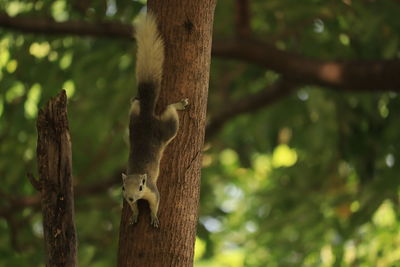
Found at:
(32, 100)
(284, 156)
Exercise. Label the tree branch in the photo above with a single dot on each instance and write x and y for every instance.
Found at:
(80, 28)
(18, 203)
(35, 183)
(15, 204)
(254, 102)
(100, 187)
(13, 233)
(347, 75)
(350, 76)
(242, 18)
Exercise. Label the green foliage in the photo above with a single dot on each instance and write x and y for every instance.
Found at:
(312, 180)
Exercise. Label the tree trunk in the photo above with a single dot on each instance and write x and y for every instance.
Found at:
(186, 26)
(55, 170)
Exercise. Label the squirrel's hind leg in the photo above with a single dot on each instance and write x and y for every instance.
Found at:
(135, 107)
(181, 105)
(169, 120)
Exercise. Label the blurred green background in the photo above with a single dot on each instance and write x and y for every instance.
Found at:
(310, 180)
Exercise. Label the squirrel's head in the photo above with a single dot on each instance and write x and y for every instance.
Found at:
(133, 186)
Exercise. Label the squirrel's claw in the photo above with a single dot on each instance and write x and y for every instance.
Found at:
(181, 105)
(154, 221)
(185, 102)
(133, 219)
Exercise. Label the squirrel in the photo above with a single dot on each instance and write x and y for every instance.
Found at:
(149, 134)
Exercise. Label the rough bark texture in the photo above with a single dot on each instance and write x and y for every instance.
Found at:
(55, 170)
(186, 27)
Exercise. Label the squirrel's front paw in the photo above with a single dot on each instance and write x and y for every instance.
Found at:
(133, 219)
(181, 105)
(184, 103)
(133, 99)
(154, 221)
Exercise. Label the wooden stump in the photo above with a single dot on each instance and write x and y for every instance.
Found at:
(55, 183)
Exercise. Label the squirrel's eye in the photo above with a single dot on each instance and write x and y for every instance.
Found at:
(123, 188)
(140, 188)
(144, 180)
(130, 199)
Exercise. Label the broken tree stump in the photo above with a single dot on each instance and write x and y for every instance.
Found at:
(54, 157)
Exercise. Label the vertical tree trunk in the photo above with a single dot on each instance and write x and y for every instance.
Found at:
(186, 26)
(55, 169)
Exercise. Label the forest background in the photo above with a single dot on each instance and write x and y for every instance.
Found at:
(300, 163)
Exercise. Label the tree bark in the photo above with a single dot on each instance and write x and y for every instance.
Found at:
(186, 27)
(55, 170)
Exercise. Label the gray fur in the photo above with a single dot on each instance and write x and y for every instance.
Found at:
(149, 134)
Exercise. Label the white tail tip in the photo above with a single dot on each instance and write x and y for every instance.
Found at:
(150, 51)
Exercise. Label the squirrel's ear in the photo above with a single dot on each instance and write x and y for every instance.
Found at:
(123, 177)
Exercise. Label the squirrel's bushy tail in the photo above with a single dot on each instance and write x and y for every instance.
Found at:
(149, 61)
